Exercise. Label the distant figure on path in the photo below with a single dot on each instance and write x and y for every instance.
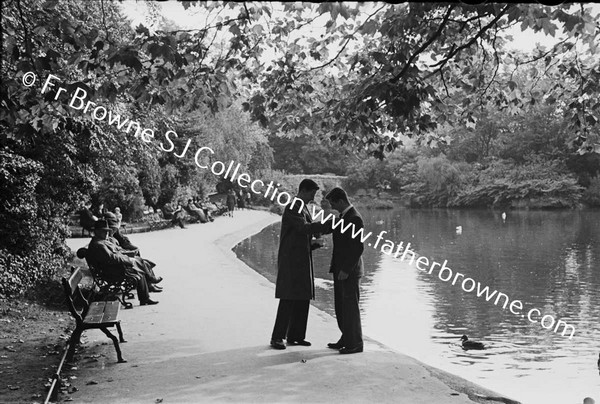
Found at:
(231, 200)
(241, 200)
(347, 269)
(295, 285)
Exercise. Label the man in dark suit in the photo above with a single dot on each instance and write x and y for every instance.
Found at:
(347, 269)
(114, 264)
(295, 285)
(115, 235)
(142, 264)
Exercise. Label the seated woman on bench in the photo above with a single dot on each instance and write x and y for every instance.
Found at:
(113, 263)
(205, 207)
(195, 211)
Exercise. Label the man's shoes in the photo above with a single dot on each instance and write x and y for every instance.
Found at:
(154, 289)
(158, 280)
(302, 342)
(148, 302)
(356, 349)
(277, 344)
(335, 345)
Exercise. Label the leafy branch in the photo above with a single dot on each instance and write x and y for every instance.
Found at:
(483, 30)
(350, 36)
(425, 45)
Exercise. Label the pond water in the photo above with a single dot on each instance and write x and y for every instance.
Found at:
(549, 260)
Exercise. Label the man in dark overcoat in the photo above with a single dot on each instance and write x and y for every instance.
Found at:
(108, 258)
(347, 269)
(295, 278)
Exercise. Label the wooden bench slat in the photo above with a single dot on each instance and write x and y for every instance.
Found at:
(111, 311)
(96, 308)
(95, 319)
(95, 313)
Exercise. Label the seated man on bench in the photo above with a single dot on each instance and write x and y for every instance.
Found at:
(116, 235)
(87, 218)
(107, 256)
(123, 240)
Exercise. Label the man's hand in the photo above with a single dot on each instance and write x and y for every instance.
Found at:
(342, 276)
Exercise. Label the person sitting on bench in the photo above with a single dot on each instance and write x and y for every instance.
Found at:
(113, 263)
(205, 207)
(177, 218)
(196, 212)
(87, 218)
(145, 264)
(123, 240)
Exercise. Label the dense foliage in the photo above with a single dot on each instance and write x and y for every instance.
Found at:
(55, 154)
(523, 161)
(329, 83)
(382, 70)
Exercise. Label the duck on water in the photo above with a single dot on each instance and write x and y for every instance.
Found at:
(468, 344)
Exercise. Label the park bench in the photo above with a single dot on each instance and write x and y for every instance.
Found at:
(156, 221)
(118, 287)
(195, 216)
(94, 315)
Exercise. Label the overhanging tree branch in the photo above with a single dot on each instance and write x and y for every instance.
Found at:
(347, 41)
(423, 47)
(219, 25)
(444, 82)
(104, 21)
(454, 51)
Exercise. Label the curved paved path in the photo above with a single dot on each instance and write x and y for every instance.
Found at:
(207, 340)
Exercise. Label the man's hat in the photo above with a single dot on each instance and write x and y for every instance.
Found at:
(111, 219)
(101, 225)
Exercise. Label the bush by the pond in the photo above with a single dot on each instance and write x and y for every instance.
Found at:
(536, 184)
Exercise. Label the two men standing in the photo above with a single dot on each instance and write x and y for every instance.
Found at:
(295, 277)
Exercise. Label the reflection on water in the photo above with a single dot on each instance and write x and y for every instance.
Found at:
(548, 260)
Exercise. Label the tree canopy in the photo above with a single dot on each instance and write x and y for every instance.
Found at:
(358, 76)
(406, 68)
